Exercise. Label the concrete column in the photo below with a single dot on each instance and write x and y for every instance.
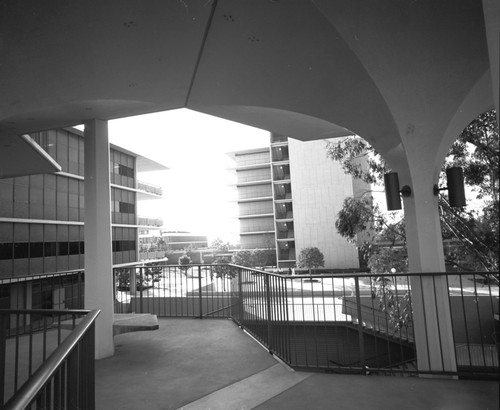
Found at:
(98, 249)
(491, 9)
(431, 308)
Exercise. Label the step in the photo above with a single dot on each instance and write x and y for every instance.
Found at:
(123, 323)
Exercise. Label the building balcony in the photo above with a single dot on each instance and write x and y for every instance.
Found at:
(261, 232)
(280, 153)
(254, 198)
(284, 216)
(253, 165)
(286, 255)
(256, 215)
(281, 172)
(145, 221)
(149, 188)
(277, 139)
(286, 235)
(312, 323)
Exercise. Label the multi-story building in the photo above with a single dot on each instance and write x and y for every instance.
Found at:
(42, 216)
(178, 240)
(255, 201)
(288, 197)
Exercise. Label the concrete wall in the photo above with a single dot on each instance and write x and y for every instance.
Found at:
(319, 187)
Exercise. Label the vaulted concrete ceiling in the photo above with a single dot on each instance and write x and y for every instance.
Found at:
(391, 71)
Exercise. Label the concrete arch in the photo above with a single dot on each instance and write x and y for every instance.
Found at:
(478, 101)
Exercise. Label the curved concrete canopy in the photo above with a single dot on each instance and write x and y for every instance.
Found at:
(393, 71)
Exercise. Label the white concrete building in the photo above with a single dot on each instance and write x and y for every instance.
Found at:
(289, 195)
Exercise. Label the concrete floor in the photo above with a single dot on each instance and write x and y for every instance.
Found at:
(212, 364)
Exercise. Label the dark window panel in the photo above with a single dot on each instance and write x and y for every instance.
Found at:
(21, 250)
(74, 248)
(6, 251)
(63, 248)
(36, 249)
(50, 249)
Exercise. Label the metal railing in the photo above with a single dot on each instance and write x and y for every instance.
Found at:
(335, 322)
(51, 367)
(58, 290)
(175, 291)
(150, 188)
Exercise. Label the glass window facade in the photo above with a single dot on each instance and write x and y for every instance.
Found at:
(45, 244)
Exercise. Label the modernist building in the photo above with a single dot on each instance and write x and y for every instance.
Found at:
(405, 76)
(42, 216)
(288, 196)
(177, 240)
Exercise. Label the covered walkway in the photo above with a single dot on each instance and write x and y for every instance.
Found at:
(212, 364)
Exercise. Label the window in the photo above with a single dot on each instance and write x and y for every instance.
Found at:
(36, 249)
(6, 251)
(21, 250)
(50, 249)
(125, 171)
(126, 208)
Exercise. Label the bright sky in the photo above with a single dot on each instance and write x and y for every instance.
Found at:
(197, 191)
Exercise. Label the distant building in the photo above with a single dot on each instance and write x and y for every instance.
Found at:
(42, 216)
(288, 196)
(177, 240)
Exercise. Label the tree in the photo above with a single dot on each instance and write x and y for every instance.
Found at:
(310, 258)
(259, 258)
(251, 259)
(184, 261)
(220, 245)
(242, 258)
(473, 232)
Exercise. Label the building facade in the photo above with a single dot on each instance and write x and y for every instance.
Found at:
(42, 216)
(288, 196)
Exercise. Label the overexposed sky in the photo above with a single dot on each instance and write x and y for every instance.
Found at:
(197, 191)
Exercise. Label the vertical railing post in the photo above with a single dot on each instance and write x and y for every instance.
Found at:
(72, 381)
(269, 327)
(132, 277)
(360, 324)
(200, 299)
(2, 357)
(140, 287)
(240, 297)
(80, 286)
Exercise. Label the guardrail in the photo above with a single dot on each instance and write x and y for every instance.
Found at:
(151, 188)
(335, 322)
(48, 367)
(58, 290)
(175, 291)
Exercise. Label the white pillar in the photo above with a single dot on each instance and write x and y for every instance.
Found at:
(491, 9)
(431, 309)
(98, 249)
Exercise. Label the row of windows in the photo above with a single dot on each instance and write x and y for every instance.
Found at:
(42, 197)
(53, 197)
(123, 246)
(25, 250)
(67, 148)
(28, 249)
(63, 146)
(126, 208)
(122, 171)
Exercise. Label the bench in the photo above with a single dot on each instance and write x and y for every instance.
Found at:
(134, 322)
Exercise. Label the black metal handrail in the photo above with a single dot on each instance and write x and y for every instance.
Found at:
(66, 378)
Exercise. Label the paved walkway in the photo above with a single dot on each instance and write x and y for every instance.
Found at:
(212, 364)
